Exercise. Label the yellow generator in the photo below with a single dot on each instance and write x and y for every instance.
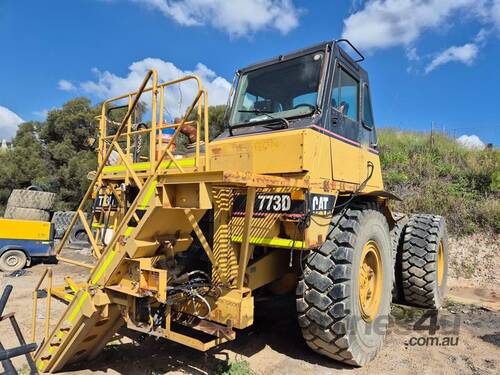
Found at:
(288, 199)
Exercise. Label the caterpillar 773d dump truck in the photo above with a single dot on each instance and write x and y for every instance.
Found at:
(289, 198)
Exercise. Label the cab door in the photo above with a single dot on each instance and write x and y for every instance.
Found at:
(344, 124)
(368, 140)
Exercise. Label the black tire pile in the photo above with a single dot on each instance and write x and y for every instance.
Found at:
(36, 205)
(30, 204)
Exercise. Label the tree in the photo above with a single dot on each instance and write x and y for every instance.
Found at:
(216, 120)
(55, 154)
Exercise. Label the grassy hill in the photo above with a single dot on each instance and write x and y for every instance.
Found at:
(443, 177)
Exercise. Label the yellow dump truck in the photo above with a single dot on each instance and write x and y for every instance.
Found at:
(290, 198)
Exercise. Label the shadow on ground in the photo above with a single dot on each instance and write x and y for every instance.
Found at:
(275, 326)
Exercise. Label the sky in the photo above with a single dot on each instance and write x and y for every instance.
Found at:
(429, 61)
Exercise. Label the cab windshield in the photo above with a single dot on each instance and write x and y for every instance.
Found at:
(282, 90)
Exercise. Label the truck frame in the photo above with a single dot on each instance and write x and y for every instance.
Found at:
(290, 198)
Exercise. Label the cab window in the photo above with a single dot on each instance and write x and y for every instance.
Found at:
(345, 94)
(367, 108)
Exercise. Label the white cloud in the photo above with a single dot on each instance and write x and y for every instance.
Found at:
(389, 23)
(65, 85)
(236, 17)
(465, 54)
(471, 142)
(9, 122)
(412, 54)
(109, 85)
(495, 13)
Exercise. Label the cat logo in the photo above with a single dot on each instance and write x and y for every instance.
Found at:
(321, 203)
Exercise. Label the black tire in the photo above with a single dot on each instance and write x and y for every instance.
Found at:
(40, 200)
(422, 284)
(397, 236)
(78, 237)
(20, 213)
(328, 302)
(61, 221)
(12, 260)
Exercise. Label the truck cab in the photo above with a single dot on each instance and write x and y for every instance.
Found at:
(322, 85)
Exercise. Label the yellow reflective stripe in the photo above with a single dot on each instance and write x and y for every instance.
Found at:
(69, 297)
(41, 365)
(149, 194)
(167, 164)
(275, 242)
(128, 231)
(78, 306)
(105, 265)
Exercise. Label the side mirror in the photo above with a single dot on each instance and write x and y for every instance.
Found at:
(366, 126)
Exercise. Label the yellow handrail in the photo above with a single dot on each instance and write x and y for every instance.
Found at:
(159, 125)
(110, 143)
(48, 274)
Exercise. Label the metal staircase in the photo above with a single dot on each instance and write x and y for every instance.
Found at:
(95, 311)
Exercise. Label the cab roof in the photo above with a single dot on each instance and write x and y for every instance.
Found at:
(324, 46)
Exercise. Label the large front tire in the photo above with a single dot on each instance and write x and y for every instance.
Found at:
(343, 312)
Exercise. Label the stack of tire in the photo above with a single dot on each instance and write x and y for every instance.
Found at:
(30, 204)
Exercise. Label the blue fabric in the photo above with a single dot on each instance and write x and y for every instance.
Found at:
(170, 131)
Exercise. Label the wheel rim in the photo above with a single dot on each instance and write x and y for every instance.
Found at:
(370, 281)
(81, 236)
(12, 261)
(440, 263)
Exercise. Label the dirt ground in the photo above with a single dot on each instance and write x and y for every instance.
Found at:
(273, 345)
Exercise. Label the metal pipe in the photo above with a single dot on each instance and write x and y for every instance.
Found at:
(15, 352)
(7, 365)
(34, 315)
(144, 131)
(206, 127)
(5, 296)
(49, 300)
(164, 84)
(74, 262)
(22, 341)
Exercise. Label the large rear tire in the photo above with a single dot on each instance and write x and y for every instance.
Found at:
(425, 261)
(397, 236)
(343, 299)
(20, 213)
(40, 200)
(61, 221)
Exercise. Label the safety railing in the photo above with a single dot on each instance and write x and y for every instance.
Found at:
(157, 125)
(110, 143)
(47, 274)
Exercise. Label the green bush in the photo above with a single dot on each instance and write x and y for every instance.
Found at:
(444, 178)
(234, 368)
